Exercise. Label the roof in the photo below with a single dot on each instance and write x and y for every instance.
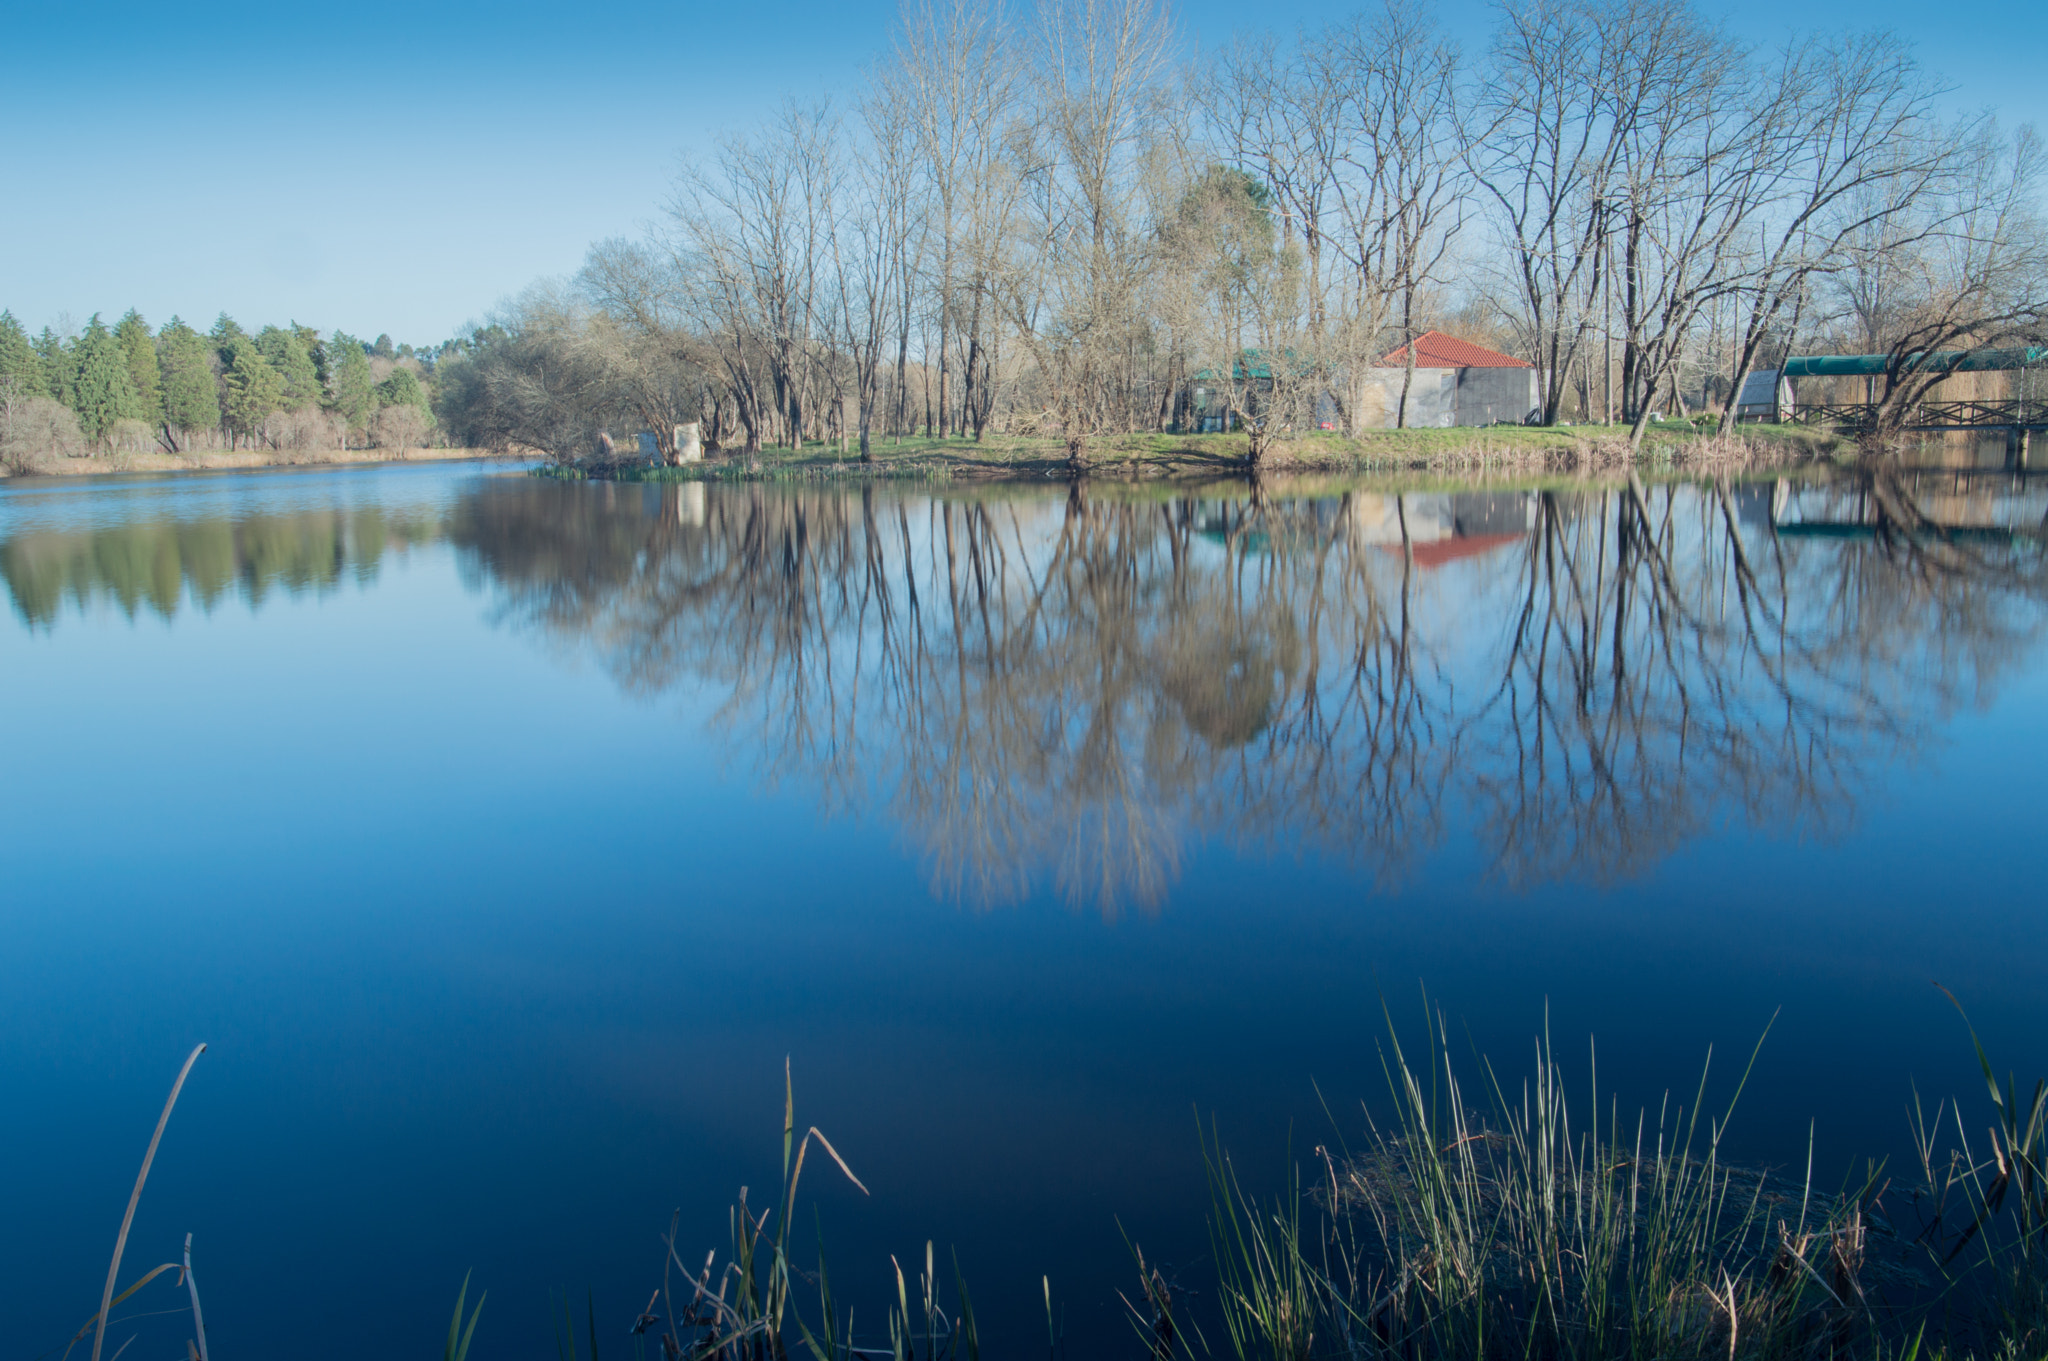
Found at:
(1435, 350)
(1429, 555)
(1253, 364)
(1927, 361)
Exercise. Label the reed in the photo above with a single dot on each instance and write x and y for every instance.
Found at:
(1508, 1225)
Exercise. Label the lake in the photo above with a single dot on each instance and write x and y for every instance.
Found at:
(503, 837)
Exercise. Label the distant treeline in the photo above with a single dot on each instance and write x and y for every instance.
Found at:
(127, 389)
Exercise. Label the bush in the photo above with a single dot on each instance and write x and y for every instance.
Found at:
(34, 431)
(400, 428)
(308, 430)
(130, 437)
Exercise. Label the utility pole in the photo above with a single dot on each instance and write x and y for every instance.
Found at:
(1606, 316)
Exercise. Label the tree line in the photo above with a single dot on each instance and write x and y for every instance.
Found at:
(125, 388)
(1061, 221)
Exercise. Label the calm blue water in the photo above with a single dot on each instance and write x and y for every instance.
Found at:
(502, 837)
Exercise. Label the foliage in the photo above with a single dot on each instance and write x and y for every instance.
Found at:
(252, 389)
(103, 391)
(287, 352)
(60, 367)
(21, 368)
(191, 396)
(403, 388)
(350, 387)
(143, 370)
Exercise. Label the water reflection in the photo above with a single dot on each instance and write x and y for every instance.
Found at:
(156, 565)
(1069, 690)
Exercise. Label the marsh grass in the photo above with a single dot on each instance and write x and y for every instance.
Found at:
(748, 1308)
(1482, 1220)
(1475, 1220)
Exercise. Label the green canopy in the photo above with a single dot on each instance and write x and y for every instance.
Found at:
(1951, 361)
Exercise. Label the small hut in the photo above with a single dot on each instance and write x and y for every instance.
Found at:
(1455, 383)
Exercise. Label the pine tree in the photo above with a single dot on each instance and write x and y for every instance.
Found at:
(287, 354)
(21, 367)
(60, 371)
(191, 400)
(310, 338)
(104, 393)
(140, 349)
(382, 348)
(224, 335)
(351, 393)
(403, 388)
(255, 390)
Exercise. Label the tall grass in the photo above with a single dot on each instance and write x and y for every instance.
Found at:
(1475, 1220)
(746, 1309)
(1481, 1220)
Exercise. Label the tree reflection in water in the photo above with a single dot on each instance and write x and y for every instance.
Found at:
(1073, 690)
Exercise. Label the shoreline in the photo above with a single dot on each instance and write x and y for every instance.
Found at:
(241, 460)
(1469, 451)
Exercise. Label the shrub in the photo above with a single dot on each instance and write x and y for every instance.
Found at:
(35, 431)
(308, 430)
(127, 436)
(400, 428)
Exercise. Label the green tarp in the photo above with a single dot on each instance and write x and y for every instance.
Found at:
(1953, 361)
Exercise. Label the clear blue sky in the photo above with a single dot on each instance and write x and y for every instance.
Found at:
(402, 170)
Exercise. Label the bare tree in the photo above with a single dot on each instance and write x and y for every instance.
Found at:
(1401, 177)
(1861, 152)
(1234, 294)
(1970, 273)
(1101, 64)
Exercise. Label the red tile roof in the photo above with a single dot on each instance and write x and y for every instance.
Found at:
(1435, 350)
(1431, 555)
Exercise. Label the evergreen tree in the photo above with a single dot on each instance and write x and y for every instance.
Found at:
(403, 388)
(140, 349)
(351, 393)
(105, 392)
(20, 365)
(254, 390)
(59, 370)
(224, 335)
(191, 400)
(287, 353)
(310, 338)
(382, 349)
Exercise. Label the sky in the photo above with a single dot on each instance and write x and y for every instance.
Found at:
(404, 171)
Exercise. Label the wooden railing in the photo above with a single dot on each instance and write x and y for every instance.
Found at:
(1968, 415)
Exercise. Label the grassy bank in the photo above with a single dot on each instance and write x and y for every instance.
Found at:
(221, 460)
(1523, 450)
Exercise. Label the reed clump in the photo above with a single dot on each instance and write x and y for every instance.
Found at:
(1480, 1220)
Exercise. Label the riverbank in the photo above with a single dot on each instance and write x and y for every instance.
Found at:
(1489, 450)
(221, 460)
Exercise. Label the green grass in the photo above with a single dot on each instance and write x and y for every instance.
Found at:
(1483, 1220)
(1146, 454)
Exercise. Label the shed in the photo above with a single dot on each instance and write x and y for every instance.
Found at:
(1456, 382)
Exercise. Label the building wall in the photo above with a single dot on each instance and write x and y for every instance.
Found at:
(1446, 397)
(1432, 399)
(1491, 396)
